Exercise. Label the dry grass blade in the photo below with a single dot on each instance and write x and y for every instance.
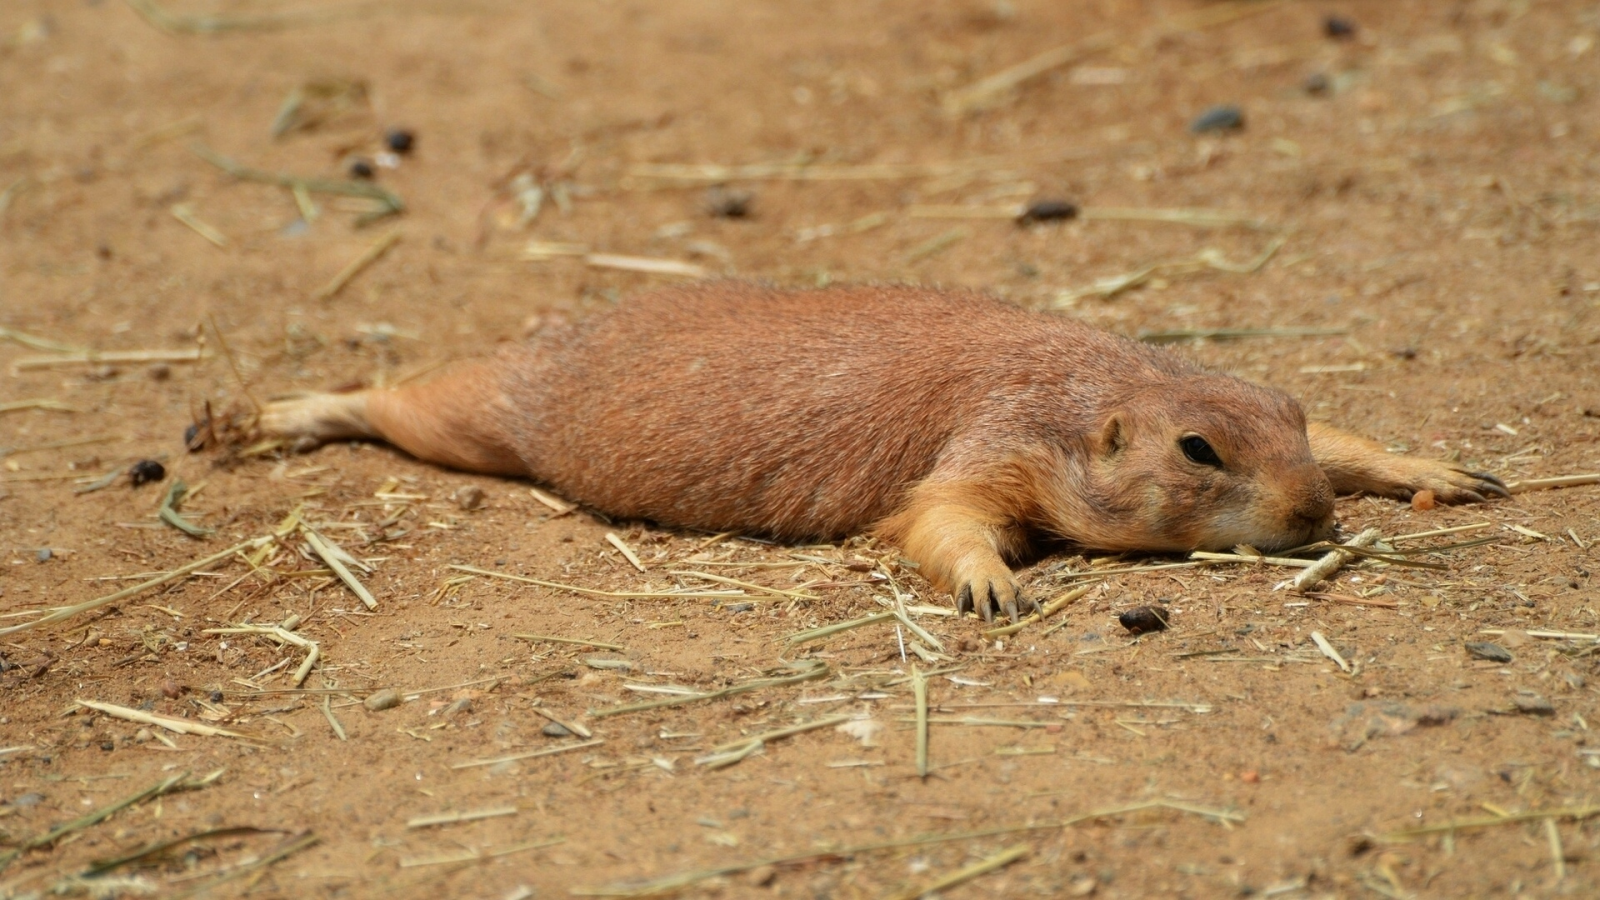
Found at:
(9, 194)
(20, 405)
(91, 819)
(106, 357)
(615, 595)
(1376, 602)
(330, 553)
(1197, 217)
(170, 723)
(1328, 650)
(467, 856)
(577, 728)
(101, 867)
(957, 211)
(39, 343)
(817, 634)
(558, 506)
(565, 640)
(388, 202)
(965, 874)
(1329, 564)
(995, 89)
(64, 613)
(1558, 857)
(173, 23)
(1437, 532)
(1575, 813)
(290, 847)
(168, 511)
(919, 690)
(333, 720)
(713, 172)
(368, 256)
(734, 751)
(1208, 259)
(645, 264)
(531, 754)
(818, 670)
(313, 650)
(452, 818)
(1286, 561)
(1545, 484)
(616, 541)
(1226, 334)
(681, 880)
(746, 585)
(185, 213)
(937, 244)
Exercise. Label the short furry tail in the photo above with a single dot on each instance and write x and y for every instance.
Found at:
(454, 420)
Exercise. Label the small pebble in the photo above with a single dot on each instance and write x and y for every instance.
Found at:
(1339, 28)
(159, 372)
(1218, 118)
(192, 439)
(44, 554)
(1250, 776)
(171, 689)
(761, 876)
(1489, 651)
(1422, 501)
(457, 707)
(216, 696)
(728, 203)
(469, 497)
(1048, 211)
(1145, 619)
(108, 746)
(739, 607)
(361, 168)
(145, 471)
(400, 140)
(388, 698)
(1533, 705)
(1316, 84)
(26, 800)
(143, 736)
(555, 729)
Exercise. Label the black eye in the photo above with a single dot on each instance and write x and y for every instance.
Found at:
(1195, 447)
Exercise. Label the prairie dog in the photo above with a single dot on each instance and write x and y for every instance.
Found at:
(952, 424)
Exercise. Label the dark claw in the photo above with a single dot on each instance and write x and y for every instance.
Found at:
(1034, 606)
(986, 605)
(1475, 497)
(964, 600)
(1491, 484)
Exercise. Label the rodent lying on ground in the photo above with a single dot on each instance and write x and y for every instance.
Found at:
(952, 424)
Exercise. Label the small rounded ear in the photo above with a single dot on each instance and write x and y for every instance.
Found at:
(1113, 436)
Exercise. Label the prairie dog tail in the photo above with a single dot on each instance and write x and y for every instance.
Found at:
(454, 420)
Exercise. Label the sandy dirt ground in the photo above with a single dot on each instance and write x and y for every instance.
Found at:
(1409, 209)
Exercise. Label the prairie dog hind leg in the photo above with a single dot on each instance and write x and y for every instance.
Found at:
(454, 420)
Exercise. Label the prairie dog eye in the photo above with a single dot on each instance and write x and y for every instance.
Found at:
(1195, 447)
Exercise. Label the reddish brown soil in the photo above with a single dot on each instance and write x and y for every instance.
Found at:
(1438, 201)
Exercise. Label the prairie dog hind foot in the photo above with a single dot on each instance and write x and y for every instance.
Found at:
(310, 420)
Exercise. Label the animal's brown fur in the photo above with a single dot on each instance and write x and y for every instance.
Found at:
(952, 423)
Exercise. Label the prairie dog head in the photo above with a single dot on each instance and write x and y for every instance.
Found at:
(1205, 463)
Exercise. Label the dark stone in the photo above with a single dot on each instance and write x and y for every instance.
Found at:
(1218, 118)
